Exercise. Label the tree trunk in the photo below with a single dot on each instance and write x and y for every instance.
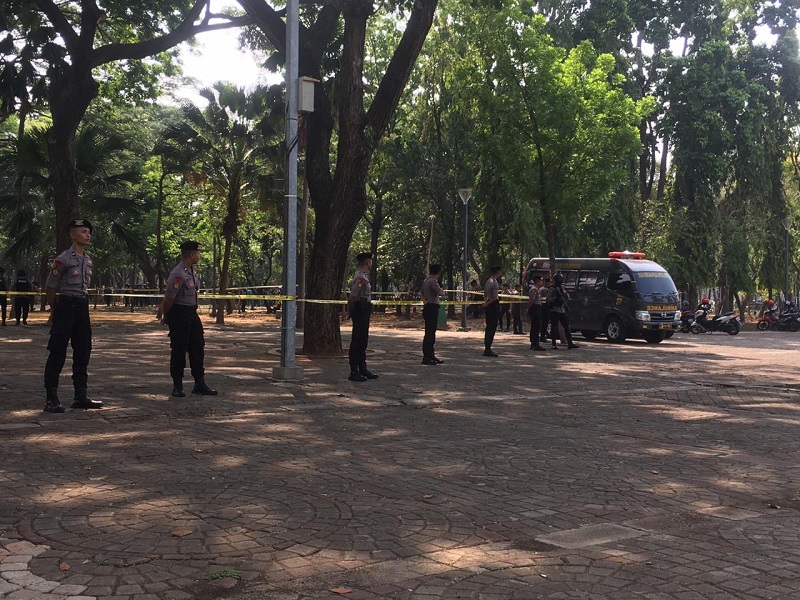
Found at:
(69, 97)
(662, 172)
(160, 269)
(377, 225)
(223, 278)
(328, 260)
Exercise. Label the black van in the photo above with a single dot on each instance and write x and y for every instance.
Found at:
(621, 296)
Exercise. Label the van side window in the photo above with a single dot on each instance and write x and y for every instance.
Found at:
(587, 281)
(570, 280)
(621, 284)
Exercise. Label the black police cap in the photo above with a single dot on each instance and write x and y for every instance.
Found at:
(79, 223)
(190, 246)
(363, 257)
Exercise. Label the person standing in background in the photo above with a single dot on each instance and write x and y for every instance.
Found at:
(359, 309)
(3, 297)
(68, 296)
(534, 310)
(431, 290)
(491, 302)
(22, 304)
(179, 309)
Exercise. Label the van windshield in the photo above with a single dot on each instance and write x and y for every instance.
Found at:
(656, 286)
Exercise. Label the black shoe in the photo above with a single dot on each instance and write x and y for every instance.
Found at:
(356, 376)
(555, 347)
(572, 346)
(368, 374)
(86, 404)
(540, 349)
(202, 389)
(438, 361)
(429, 361)
(490, 353)
(177, 391)
(52, 404)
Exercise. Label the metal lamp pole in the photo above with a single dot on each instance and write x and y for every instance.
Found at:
(288, 370)
(465, 194)
(787, 225)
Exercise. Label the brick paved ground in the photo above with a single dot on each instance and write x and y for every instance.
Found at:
(609, 472)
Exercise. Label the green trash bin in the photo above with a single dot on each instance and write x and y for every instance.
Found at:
(441, 323)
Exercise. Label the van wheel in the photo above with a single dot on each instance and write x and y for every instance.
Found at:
(653, 338)
(615, 331)
(589, 335)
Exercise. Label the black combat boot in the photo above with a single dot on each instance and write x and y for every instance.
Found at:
(177, 389)
(366, 372)
(201, 388)
(52, 404)
(81, 401)
(356, 376)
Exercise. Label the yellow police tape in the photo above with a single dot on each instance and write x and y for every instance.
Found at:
(506, 299)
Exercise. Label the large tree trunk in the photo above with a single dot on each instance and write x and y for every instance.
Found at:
(328, 262)
(69, 96)
(223, 278)
(339, 200)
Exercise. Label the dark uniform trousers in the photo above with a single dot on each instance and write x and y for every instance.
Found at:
(555, 319)
(535, 314)
(358, 342)
(70, 324)
(545, 319)
(3, 305)
(22, 305)
(186, 335)
(492, 319)
(430, 314)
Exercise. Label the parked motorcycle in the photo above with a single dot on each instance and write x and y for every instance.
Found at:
(725, 323)
(789, 319)
(687, 318)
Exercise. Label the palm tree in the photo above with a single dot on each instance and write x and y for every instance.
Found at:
(26, 190)
(224, 146)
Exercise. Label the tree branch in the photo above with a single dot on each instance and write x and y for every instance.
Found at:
(399, 70)
(268, 21)
(181, 33)
(60, 23)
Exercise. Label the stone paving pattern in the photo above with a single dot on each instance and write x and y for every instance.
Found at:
(609, 472)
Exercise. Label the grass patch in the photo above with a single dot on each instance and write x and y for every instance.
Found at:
(224, 574)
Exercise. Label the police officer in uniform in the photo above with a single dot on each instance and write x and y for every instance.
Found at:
(22, 304)
(359, 308)
(431, 290)
(185, 328)
(535, 312)
(491, 302)
(68, 297)
(558, 297)
(3, 289)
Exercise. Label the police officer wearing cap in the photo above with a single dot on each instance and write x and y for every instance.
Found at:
(68, 297)
(431, 290)
(359, 308)
(185, 328)
(3, 298)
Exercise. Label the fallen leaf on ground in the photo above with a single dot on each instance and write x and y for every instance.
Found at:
(340, 590)
(182, 532)
(63, 566)
(427, 496)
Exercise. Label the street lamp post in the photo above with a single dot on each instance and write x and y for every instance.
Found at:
(465, 194)
(787, 225)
